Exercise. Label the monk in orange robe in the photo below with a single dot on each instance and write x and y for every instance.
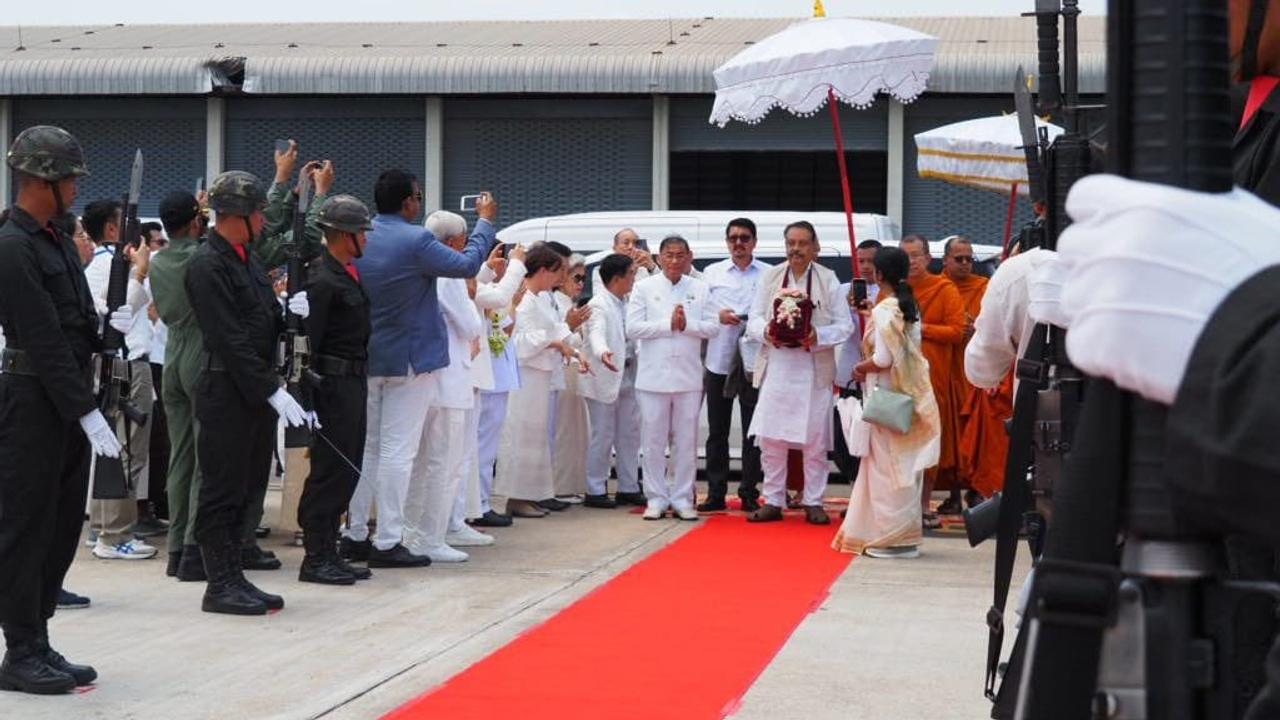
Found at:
(983, 442)
(943, 329)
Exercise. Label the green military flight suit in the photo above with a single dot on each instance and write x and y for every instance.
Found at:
(186, 357)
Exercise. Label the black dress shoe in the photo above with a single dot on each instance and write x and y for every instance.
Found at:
(397, 557)
(253, 557)
(191, 567)
(175, 560)
(553, 504)
(320, 570)
(82, 674)
(356, 571)
(750, 505)
(273, 602)
(599, 501)
(354, 550)
(26, 670)
(631, 498)
(712, 505)
(492, 519)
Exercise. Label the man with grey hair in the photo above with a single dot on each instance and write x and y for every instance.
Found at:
(437, 467)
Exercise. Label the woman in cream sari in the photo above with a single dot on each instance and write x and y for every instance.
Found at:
(884, 508)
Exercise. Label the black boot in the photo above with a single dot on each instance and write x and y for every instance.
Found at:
(82, 674)
(253, 557)
(224, 594)
(318, 565)
(273, 602)
(336, 558)
(191, 566)
(175, 560)
(25, 669)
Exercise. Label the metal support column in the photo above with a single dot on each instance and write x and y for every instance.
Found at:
(897, 154)
(215, 125)
(6, 132)
(433, 173)
(661, 180)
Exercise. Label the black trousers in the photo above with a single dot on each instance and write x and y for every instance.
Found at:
(158, 462)
(340, 405)
(847, 463)
(44, 480)
(233, 449)
(720, 419)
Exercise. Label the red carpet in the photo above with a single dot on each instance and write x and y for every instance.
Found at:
(682, 634)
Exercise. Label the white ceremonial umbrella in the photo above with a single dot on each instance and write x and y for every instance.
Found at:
(984, 153)
(821, 61)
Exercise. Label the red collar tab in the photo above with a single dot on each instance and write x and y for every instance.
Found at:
(1259, 90)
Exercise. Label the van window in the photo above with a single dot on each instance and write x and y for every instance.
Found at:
(801, 181)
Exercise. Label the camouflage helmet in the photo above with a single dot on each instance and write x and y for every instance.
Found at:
(345, 213)
(236, 192)
(47, 152)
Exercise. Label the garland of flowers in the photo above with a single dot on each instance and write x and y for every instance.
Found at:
(497, 338)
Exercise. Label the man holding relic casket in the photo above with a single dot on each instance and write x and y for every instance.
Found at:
(800, 315)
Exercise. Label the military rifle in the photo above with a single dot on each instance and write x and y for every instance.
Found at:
(111, 476)
(295, 346)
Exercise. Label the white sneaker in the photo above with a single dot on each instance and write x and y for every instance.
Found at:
(468, 537)
(685, 512)
(444, 554)
(129, 550)
(655, 510)
(899, 552)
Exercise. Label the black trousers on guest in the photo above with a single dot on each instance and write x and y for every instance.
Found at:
(847, 463)
(720, 420)
(158, 463)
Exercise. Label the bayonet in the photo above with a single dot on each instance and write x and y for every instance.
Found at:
(135, 179)
(1030, 139)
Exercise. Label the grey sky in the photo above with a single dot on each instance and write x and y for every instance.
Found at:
(93, 12)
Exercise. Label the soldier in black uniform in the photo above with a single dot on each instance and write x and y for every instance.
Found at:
(49, 421)
(239, 396)
(338, 328)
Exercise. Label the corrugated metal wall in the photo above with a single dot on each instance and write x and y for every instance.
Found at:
(549, 156)
(935, 208)
(863, 129)
(170, 132)
(363, 136)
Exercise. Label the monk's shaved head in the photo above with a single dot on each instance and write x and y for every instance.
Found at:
(957, 257)
(917, 249)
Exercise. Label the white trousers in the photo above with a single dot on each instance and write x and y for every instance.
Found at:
(615, 434)
(671, 416)
(492, 413)
(397, 412)
(467, 466)
(773, 461)
(429, 503)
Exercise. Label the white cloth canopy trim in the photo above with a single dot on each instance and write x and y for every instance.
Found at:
(984, 153)
(794, 69)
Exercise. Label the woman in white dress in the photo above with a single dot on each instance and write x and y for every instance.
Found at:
(884, 509)
(541, 340)
(573, 431)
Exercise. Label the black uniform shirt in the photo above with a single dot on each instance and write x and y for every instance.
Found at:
(238, 316)
(1257, 151)
(339, 322)
(46, 310)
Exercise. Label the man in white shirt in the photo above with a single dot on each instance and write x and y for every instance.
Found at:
(794, 411)
(113, 520)
(627, 242)
(733, 283)
(849, 353)
(670, 315)
(610, 393)
(1003, 327)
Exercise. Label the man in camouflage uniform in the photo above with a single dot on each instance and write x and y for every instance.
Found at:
(49, 420)
(339, 332)
(186, 356)
(238, 396)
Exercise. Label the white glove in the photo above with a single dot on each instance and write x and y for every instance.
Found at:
(102, 438)
(1147, 265)
(1044, 291)
(122, 319)
(287, 408)
(298, 305)
(313, 420)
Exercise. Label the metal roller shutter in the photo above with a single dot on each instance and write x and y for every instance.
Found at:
(866, 129)
(549, 157)
(170, 132)
(935, 208)
(362, 136)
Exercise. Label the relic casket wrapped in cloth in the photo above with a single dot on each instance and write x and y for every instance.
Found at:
(792, 318)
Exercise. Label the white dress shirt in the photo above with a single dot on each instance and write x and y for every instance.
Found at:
(670, 361)
(1003, 327)
(605, 332)
(732, 288)
(462, 324)
(98, 276)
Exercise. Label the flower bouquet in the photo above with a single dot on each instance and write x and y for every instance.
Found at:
(792, 317)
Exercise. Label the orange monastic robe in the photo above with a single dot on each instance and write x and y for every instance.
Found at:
(942, 315)
(983, 440)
